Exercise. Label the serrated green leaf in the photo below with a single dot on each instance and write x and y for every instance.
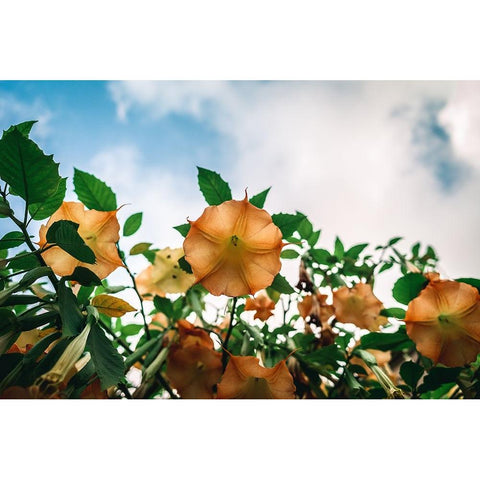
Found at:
(42, 210)
(93, 193)
(132, 224)
(183, 229)
(64, 233)
(213, 187)
(408, 287)
(258, 200)
(287, 222)
(30, 173)
(281, 285)
(24, 128)
(109, 364)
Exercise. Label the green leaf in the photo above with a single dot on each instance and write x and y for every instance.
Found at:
(393, 312)
(24, 128)
(214, 188)
(163, 305)
(30, 173)
(140, 248)
(474, 282)
(24, 261)
(411, 373)
(396, 341)
(70, 313)
(93, 193)
(321, 256)
(385, 266)
(184, 265)
(281, 285)
(84, 276)
(356, 250)
(329, 355)
(183, 229)
(258, 200)
(394, 240)
(39, 211)
(339, 250)
(305, 228)
(313, 238)
(438, 376)
(132, 224)
(5, 209)
(287, 222)
(289, 254)
(109, 364)
(408, 287)
(132, 329)
(11, 240)
(64, 233)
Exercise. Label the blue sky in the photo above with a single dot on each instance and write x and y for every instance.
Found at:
(365, 160)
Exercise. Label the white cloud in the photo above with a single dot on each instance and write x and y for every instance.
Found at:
(341, 153)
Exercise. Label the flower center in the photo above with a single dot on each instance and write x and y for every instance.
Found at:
(234, 240)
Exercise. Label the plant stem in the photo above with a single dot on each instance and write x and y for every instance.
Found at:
(229, 332)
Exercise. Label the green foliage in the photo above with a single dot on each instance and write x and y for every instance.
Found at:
(184, 265)
(83, 276)
(281, 285)
(93, 193)
(132, 224)
(396, 341)
(411, 373)
(183, 229)
(73, 321)
(214, 188)
(41, 210)
(287, 222)
(408, 287)
(64, 234)
(30, 173)
(258, 200)
(164, 305)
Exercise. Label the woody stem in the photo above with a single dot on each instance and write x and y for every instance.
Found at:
(229, 332)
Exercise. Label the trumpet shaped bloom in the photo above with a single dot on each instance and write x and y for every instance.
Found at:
(234, 248)
(444, 322)
(262, 304)
(99, 230)
(244, 377)
(358, 305)
(316, 306)
(164, 275)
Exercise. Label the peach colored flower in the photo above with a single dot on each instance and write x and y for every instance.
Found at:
(99, 230)
(165, 275)
(191, 335)
(262, 304)
(358, 305)
(444, 322)
(28, 339)
(245, 378)
(316, 306)
(234, 248)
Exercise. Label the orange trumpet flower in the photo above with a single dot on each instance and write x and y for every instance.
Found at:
(262, 304)
(99, 230)
(234, 248)
(316, 306)
(358, 305)
(444, 322)
(244, 377)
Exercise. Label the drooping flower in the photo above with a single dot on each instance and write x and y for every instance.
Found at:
(99, 230)
(262, 304)
(315, 306)
(444, 322)
(28, 339)
(244, 377)
(358, 305)
(164, 275)
(234, 248)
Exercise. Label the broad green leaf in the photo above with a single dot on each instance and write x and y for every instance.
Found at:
(164, 305)
(408, 287)
(313, 238)
(132, 224)
(111, 306)
(132, 329)
(356, 250)
(287, 222)
(64, 233)
(11, 240)
(411, 373)
(396, 341)
(289, 254)
(214, 188)
(109, 364)
(393, 312)
(438, 376)
(73, 321)
(183, 229)
(24, 261)
(93, 193)
(184, 265)
(305, 228)
(329, 355)
(30, 173)
(258, 200)
(281, 285)
(339, 250)
(45, 209)
(84, 276)
(321, 256)
(140, 248)
(24, 128)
